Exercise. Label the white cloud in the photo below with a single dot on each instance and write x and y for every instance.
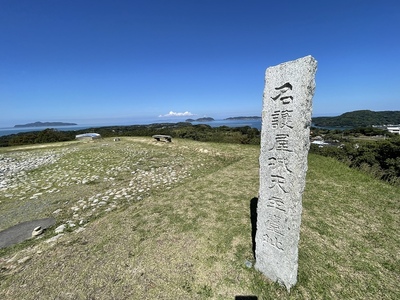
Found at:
(177, 114)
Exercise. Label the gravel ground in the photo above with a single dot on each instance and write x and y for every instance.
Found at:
(76, 183)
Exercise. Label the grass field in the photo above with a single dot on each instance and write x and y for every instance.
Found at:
(172, 221)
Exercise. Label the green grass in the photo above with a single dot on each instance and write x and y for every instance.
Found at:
(190, 238)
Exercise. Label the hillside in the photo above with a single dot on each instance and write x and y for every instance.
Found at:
(360, 118)
(173, 221)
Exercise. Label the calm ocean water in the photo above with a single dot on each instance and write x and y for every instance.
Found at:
(216, 123)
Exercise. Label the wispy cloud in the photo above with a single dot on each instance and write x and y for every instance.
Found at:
(177, 114)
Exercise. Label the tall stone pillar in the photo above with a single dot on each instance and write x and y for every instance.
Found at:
(285, 141)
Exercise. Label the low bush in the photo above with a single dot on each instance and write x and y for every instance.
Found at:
(381, 159)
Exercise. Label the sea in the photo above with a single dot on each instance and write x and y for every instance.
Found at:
(216, 123)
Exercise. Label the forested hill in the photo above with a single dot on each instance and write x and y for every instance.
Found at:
(359, 118)
(44, 124)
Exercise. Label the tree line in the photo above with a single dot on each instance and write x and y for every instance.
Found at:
(378, 156)
(201, 132)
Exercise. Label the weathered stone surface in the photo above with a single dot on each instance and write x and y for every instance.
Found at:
(286, 120)
(23, 231)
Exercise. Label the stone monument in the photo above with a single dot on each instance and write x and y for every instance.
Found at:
(285, 141)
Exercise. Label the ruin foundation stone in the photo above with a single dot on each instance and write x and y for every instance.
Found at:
(286, 121)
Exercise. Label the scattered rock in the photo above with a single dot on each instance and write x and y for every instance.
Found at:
(16, 181)
(57, 211)
(24, 259)
(80, 229)
(37, 231)
(71, 224)
(60, 229)
(248, 264)
(54, 238)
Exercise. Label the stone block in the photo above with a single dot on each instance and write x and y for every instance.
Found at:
(286, 121)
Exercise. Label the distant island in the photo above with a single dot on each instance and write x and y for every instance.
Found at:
(44, 124)
(205, 119)
(243, 118)
(208, 119)
(359, 118)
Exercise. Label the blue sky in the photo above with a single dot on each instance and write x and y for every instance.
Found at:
(80, 60)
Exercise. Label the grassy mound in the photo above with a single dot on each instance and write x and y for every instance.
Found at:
(175, 223)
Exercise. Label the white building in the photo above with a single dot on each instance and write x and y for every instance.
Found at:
(394, 129)
(91, 136)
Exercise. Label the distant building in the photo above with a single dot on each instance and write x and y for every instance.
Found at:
(394, 129)
(319, 143)
(318, 140)
(91, 136)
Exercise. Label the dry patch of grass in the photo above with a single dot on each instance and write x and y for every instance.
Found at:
(191, 238)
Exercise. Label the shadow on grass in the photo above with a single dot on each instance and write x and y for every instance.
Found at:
(246, 298)
(253, 218)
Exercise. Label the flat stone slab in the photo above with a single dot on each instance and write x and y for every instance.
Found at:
(23, 231)
(162, 137)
